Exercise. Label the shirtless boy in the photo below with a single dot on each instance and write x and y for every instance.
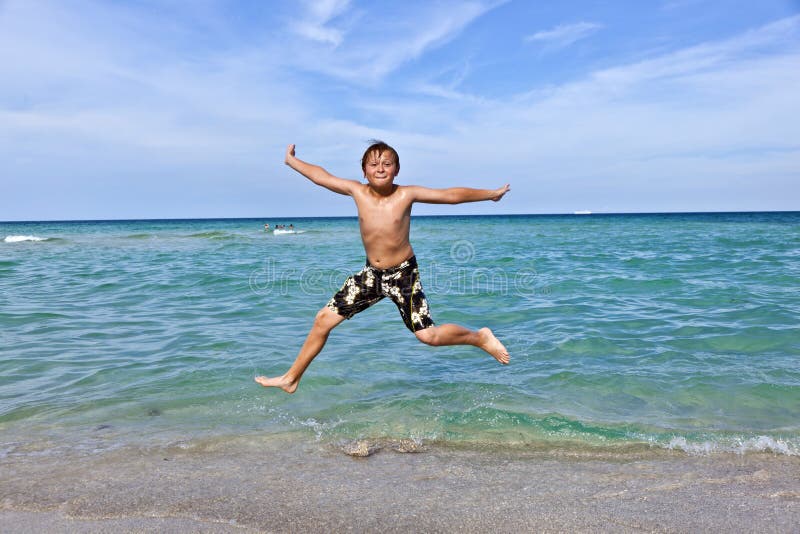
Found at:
(384, 217)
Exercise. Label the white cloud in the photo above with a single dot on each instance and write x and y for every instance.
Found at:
(106, 115)
(565, 34)
(324, 10)
(316, 24)
(391, 40)
(93, 73)
(715, 55)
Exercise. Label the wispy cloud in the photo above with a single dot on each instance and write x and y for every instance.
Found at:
(772, 41)
(392, 40)
(564, 35)
(716, 118)
(90, 79)
(318, 16)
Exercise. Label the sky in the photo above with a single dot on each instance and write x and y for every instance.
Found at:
(173, 109)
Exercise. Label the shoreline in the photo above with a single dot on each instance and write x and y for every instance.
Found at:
(80, 441)
(281, 485)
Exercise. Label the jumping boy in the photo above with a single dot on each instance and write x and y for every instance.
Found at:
(384, 218)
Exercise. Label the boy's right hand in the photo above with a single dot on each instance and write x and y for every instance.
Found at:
(289, 154)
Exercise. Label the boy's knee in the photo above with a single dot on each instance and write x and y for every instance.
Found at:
(326, 319)
(427, 336)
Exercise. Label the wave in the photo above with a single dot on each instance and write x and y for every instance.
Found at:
(22, 238)
(218, 235)
(755, 445)
(566, 445)
(141, 236)
(738, 445)
(281, 231)
(495, 429)
(213, 234)
(480, 429)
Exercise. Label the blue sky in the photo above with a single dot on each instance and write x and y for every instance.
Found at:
(174, 109)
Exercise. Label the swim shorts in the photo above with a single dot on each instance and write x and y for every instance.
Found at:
(400, 283)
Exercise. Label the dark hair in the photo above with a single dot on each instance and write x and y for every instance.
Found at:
(376, 145)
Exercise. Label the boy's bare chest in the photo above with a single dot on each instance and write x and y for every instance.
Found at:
(383, 215)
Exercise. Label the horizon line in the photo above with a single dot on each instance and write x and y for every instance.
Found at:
(557, 214)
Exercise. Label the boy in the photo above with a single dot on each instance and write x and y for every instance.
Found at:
(384, 218)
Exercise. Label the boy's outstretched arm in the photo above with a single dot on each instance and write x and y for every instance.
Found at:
(318, 175)
(456, 195)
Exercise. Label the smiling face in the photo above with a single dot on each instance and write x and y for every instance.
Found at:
(380, 168)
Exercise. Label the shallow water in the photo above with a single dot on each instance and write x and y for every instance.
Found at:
(665, 331)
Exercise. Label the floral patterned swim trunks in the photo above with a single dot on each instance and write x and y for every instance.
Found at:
(400, 283)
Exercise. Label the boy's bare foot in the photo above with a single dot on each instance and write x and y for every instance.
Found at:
(493, 346)
(279, 382)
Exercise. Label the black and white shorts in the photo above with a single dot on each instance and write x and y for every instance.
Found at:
(400, 283)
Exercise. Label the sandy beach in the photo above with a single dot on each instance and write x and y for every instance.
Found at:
(284, 485)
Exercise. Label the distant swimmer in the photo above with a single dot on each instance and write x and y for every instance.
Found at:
(266, 227)
(384, 211)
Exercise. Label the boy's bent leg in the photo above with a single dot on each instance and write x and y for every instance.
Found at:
(414, 309)
(453, 334)
(325, 321)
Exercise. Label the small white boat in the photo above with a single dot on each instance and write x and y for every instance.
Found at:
(582, 212)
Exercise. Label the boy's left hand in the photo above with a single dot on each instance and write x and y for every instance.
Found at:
(498, 193)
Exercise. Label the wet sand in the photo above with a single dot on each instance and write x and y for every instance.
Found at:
(285, 485)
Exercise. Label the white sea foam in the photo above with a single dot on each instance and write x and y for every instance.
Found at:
(21, 238)
(6, 449)
(739, 446)
(279, 231)
(768, 444)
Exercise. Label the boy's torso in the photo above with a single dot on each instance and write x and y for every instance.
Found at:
(385, 222)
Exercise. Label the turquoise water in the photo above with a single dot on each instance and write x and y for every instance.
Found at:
(664, 331)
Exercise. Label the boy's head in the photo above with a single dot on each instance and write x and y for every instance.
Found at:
(376, 149)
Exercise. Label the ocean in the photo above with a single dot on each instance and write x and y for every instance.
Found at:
(628, 334)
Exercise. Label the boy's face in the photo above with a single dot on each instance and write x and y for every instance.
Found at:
(380, 168)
